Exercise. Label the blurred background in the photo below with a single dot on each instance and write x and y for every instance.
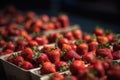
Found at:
(86, 13)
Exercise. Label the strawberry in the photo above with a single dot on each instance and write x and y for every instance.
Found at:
(77, 33)
(43, 58)
(28, 54)
(116, 55)
(18, 60)
(61, 41)
(2, 43)
(32, 43)
(99, 68)
(27, 65)
(113, 73)
(41, 40)
(10, 46)
(8, 51)
(71, 54)
(99, 31)
(66, 46)
(69, 36)
(57, 76)
(61, 66)
(76, 65)
(89, 57)
(73, 46)
(10, 58)
(102, 39)
(116, 47)
(47, 68)
(93, 46)
(21, 44)
(86, 37)
(46, 48)
(104, 52)
(54, 55)
(82, 47)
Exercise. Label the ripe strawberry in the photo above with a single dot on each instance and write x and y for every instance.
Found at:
(109, 36)
(10, 58)
(82, 47)
(116, 55)
(58, 25)
(64, 20)
(18, 60)
(41, 40)
(99, 31)
(53, 37)
(69, 36)
(57, 76)
(44, 18)
(89, 57)
(46, 48)
(10, 46)
(114, 73)
(61, 41)
(73, 46)
(32, 43)
(21, 44)
(47, 68)
(93, 46)
(54, 55)
(76, 65)
(103, 52)
(61, 66)
(27, 65)
(66, 47)
(43, 58)
(102, 39)
(98, 66)
(27, 54)
(8, 51)
(86, 37)
(77, 33)
(2, 43)
(116, 47)
(71, 54)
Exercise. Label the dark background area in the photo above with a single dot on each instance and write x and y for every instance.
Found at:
(86, 13)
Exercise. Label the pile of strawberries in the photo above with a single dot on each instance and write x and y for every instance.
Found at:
(91, 57)
(86, 56)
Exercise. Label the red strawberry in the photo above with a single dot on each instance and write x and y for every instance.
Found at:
(10, 58)
(76, 65)
(66, 47)
(89, 57)
(73, 46)
(69, 36)
(32, 43)
(57, 76)
(46, 48)
(8, 51)
(102, 39)
(116, 47)
(61, 66)
(41, 40)
(10, 46)
(113, 73)
(93, 46)
(98, 66)
(71, 54)
(2, 43)
(18, 60)
(47, 68)
(116, 55)
(54, 55)
(43, 58)
(27, 65)
(62, 41)
(103, 52)
(82, 48)
(27, 54)
(99, 31)
(77, 33)
(86, 37)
